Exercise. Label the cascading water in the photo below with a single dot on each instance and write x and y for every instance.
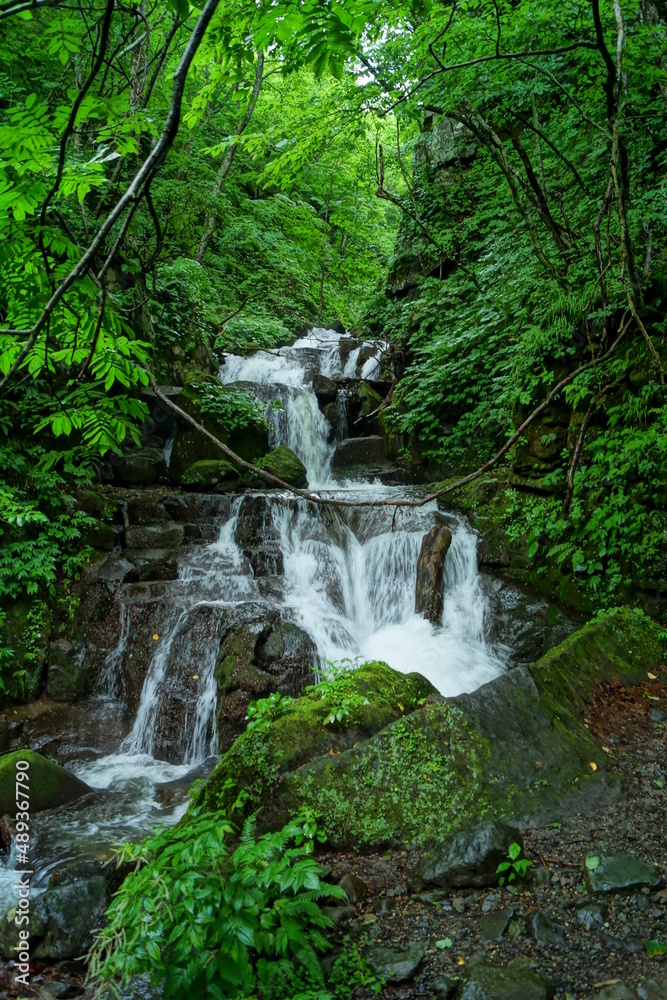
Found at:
(344, 575)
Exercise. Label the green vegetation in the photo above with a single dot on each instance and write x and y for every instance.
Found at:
(205, 919)
(514, 866)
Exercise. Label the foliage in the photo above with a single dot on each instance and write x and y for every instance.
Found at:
(337, 690)
(513, 866)
(204, 918)
(262, 712)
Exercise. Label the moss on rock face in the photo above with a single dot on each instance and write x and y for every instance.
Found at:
(210, 474)
(49, 785)
(374, 695)
(406, 768)
(285, 464)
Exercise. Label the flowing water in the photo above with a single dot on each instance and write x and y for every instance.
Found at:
(348, 580)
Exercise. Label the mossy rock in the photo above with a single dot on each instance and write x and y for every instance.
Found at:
(49, 785)
(210, 474)
(283, 463)
(190, 447)
(258, 757)
(404, 774)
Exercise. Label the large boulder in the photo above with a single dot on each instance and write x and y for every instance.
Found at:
(516, 749)
(141, 468)
(367, 700)
(492, 982)
(49, 785)
(429, 591)
(62, 920)
(211, 475)
(364, 452)
(325, 389)
(256, 659)
(470, 857)
(283, 463)
(199, 397)
(68, 679)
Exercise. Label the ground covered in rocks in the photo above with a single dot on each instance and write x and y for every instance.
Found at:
(589, 944)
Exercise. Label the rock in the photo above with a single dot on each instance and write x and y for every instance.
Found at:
(395, 964)
(658, 715)
(49, 784)
(423, 775)
(354, 888)
(442, 987)
(617, 872)
(591, 914)
(491, 982)
(198, 398)
(651, 989)
(255, 659)
(210, 474)
(257, 759)
(470, 857)
(429, 594)
(68, 679)
(339, 914)
(459, 904)
(325, 389)
(284, 464)
(61, 920)
(368, 452)
(616, 991)
(545, 931)
(142, 468)
(166, 536)
(493, 925)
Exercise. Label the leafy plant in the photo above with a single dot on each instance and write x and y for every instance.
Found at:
(514, 866)
(204, 918)
(654, 948)
(337, 691)
(264, 711)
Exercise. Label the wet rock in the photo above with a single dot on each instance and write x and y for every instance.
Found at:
(617, 872)
(470, 857)
(492, 982)
(381, 695)
(395, 964)
(354, 887)
(429, 594)
(49, 784)
(591, 914)
(545, 931)
(68, 679)
(142, 468)
(211, 474)
(61, 920)
(616, 991)
(493, 925)
(157, 536)
(117, 569)
(255, 659)
(325, 389)
(339, 914)
(362, 451)
(284, 464)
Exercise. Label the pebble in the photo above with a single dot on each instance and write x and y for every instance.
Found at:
(459, 904)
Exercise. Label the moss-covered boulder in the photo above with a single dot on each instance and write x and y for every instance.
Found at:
(322, 722)
(283, 463)
(215, 407)
(211, 475)
(49, 785)
(515, 749)
(26, 632)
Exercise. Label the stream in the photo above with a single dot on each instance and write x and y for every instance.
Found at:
(348, 580)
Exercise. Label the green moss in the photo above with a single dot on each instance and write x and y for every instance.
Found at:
(283, 463)
(257, 758)
(49, 784)
(209, 474)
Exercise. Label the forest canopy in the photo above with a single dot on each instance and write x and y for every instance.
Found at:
(480, 183)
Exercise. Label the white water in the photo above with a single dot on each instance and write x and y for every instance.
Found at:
(349, 581)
